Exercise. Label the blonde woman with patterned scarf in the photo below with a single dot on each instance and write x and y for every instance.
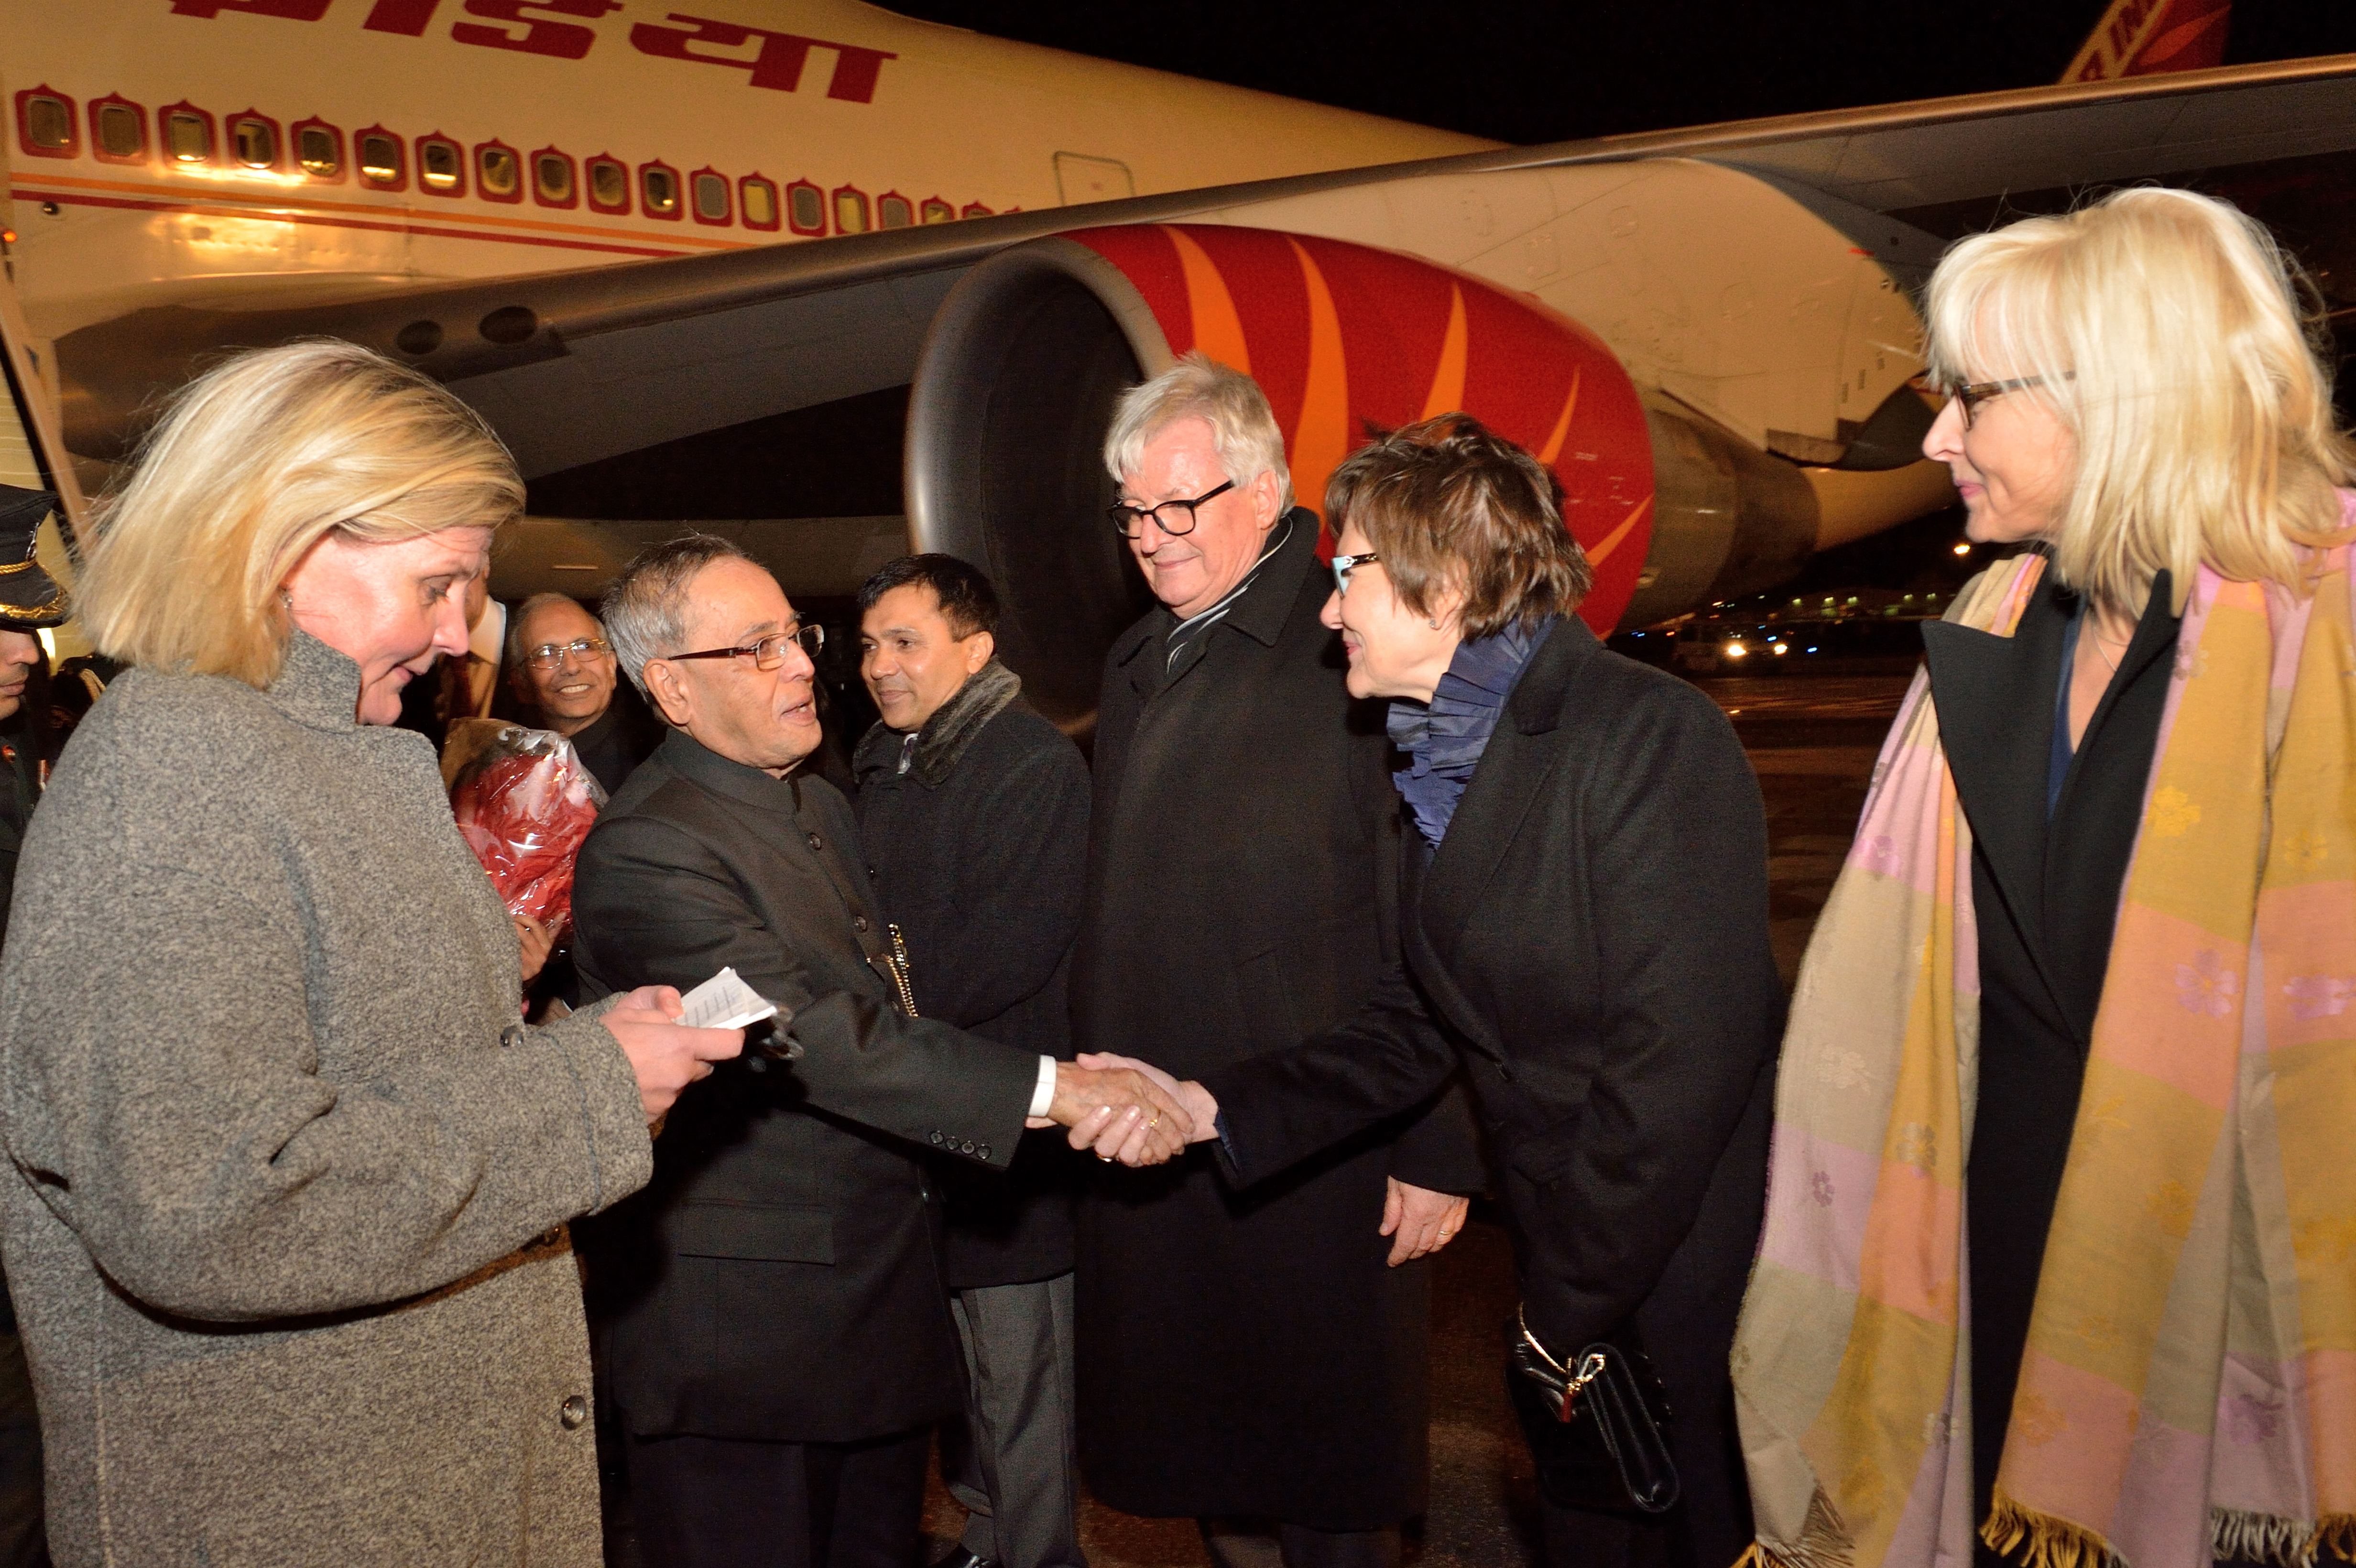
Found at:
(2060, 1265)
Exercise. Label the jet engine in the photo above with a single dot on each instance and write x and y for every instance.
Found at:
(1014, 389)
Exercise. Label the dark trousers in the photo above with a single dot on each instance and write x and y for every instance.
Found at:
(1010, 1463)
(22, 1542)
(710, 1503)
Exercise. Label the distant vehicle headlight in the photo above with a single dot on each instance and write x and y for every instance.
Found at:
(1735, 651)
(1779, 650)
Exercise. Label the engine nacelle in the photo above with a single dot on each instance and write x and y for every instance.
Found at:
(1015, 388)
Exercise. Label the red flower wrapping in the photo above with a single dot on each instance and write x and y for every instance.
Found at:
(524, 808)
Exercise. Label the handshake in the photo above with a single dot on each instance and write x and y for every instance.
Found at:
(1127, 1111)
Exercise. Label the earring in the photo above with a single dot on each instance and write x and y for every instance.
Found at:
(1434, 624)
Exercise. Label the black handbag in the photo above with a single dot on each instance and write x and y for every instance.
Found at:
(1596, 1427)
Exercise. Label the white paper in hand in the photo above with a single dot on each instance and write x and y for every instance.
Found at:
(724, 1001)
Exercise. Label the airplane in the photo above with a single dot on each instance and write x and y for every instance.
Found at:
(844, 283)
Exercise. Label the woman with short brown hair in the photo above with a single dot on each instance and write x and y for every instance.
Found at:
(1583, 895)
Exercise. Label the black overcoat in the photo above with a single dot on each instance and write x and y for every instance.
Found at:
(1247, 1354)
(2045, 898)
(1591, 941)
(779, 1278)
(978, 849)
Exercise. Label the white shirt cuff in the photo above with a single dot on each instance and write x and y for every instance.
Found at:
(1044, 1094)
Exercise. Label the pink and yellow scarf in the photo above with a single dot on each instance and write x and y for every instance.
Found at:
(2189, 1384)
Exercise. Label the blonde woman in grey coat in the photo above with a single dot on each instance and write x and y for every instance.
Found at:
(285, 1217)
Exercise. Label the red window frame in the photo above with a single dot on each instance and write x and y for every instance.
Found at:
(777, 204)
(589, 185)
(975, 210)
(794, 223)
(866, 208)
(678, 188)
(903, 201)
(931, 204)
(436, 138)
(98, 143)
(727, 194)
(164, 136)
(72, 149)
(400, 181)
(572, 183)
(523, 173)
(294, 151)
(227, 153)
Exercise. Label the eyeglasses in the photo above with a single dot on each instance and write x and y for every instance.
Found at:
(1131, 520)
(770, 651)
(548, 656)
(1346, 564)
(1971, 396)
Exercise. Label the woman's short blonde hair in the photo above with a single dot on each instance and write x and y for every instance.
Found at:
(250, 465)
(1450, 505)
(2170, 333)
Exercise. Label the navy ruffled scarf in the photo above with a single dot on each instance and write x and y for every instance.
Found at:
(1444, 739)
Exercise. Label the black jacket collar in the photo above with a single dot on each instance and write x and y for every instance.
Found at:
(691, 760)
(1261, 612)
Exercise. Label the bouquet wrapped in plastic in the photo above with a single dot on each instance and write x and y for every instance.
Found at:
(524, 803)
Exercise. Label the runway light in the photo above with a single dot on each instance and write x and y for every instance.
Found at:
(1779, 650)
(1962, 549)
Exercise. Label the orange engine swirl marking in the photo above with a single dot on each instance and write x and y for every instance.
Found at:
(1562, 425)
(1322, 437)
(1611, 542)
(1447, 394)
(1218, 330)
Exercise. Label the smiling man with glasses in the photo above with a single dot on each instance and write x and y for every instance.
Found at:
(564, 672)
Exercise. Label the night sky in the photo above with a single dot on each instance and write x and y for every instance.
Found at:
(1530, 73)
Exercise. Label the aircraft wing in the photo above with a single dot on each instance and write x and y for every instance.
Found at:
(580, 365)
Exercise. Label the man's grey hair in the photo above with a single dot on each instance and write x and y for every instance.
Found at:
(645, 610)
(1242, 428)
(524, 613)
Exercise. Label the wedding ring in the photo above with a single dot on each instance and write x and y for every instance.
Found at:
(1104, 1159)
(1155, 1122)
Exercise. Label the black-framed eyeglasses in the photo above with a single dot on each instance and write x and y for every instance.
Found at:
(548, 656)
(1346, 564)
(770, 651)
(1131, 520)
(1977, 392)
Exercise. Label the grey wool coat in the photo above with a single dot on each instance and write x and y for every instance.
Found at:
(284, 1216)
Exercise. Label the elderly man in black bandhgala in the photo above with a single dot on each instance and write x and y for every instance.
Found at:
(776, 1330)
(974, 813)
(1239, 900)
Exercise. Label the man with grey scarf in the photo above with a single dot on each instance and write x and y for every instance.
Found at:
(974, 813)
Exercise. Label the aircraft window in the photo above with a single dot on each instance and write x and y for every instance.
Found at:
(381, 159)
(439, 169)
(974, 209)
(807, 209)
(499, 174)
(552, 179)
(893, 210)
(320, 151)
(48, 124)
(609, 186)
(659, 190)
(256, 142)
(187, 136)
(710, 193)
(122, 131)
(935, 211)
(849, 210)
(758, 197)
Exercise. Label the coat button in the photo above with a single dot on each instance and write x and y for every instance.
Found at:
(511, 1036)
(573, 1412)
(815, 842)
(859, 922)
